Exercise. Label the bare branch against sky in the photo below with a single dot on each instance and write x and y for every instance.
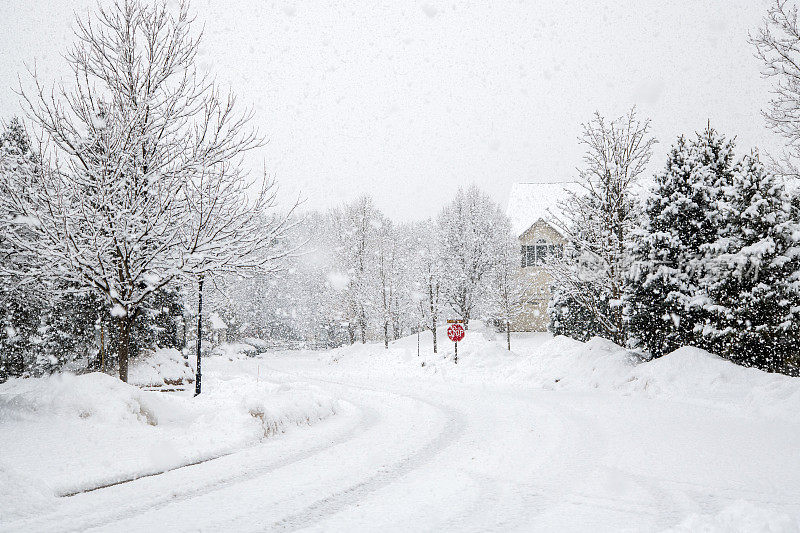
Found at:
(407, 100)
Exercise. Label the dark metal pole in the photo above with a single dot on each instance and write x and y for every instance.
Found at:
(456, 358)
(199, 373)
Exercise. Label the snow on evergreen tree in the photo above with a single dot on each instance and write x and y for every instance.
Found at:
(19, 307)
(753, 312)
(683, 214)
(571, 318)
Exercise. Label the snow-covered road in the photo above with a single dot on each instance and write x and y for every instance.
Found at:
(435, 455)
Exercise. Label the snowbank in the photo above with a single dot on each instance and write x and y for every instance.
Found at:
(539, 360)
(687, 374)
(741, 517)
(66, 433)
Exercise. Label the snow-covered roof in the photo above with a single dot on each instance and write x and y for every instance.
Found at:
(217, 322)
(529, 202)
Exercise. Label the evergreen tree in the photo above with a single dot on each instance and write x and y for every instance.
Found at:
(664, 295)
(754, 304)
(571, 318)
(20, 306)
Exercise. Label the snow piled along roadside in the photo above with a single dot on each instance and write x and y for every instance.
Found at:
(538, 360)
(687, 374)
(65, 433)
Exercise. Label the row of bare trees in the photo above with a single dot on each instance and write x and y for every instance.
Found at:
(366, 278)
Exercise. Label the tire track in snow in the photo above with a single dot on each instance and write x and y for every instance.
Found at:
(330, 505)
(384, 476)
(66, 520)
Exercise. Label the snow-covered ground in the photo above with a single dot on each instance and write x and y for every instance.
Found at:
(554, 436)
(65, 434)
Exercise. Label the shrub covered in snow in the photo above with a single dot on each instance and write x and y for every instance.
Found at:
(164, 367)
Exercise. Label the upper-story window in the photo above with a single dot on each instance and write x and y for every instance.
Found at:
(533, 254)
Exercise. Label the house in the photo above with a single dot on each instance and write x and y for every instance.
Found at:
(531, 210)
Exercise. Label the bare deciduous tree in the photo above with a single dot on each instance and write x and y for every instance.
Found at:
(131, 151)
(777, 44)
(509, 286)
(355, 227)
(472, 231)
(230, 230)
(597, 220)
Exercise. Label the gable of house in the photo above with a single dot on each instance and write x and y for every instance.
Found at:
(531, 209)
(529, 203)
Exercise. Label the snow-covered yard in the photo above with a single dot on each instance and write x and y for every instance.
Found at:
(65, 434)
(556, 435)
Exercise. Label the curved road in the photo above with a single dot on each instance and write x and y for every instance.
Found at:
(438, 456)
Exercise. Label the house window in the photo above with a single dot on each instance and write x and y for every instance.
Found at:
(533, 254)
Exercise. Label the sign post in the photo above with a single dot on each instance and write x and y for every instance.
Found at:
(455, 332)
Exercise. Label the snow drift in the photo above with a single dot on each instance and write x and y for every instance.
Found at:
(65, 433)
(539, 360)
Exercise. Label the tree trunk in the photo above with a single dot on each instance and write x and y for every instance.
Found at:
(363, 324)
(433, 329)
(124, 345)
(508, 334)
(386, 334)
(199, 374)
(102, 349)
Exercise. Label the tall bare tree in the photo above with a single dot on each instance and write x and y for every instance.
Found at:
(427, 271)
(126, 148)
(597, 220)
(356, 226)
(471, 236)
(509, 286)
(777, 44)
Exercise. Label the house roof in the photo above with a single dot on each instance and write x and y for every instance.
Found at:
(530, 202)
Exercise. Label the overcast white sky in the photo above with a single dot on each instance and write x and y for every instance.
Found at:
(409, 100)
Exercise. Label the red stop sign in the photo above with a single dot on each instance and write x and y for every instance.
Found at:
(455, 332)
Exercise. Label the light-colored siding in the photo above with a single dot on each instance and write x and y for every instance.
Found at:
(534, 314)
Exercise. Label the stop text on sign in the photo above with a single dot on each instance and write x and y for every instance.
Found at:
(455, 332)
